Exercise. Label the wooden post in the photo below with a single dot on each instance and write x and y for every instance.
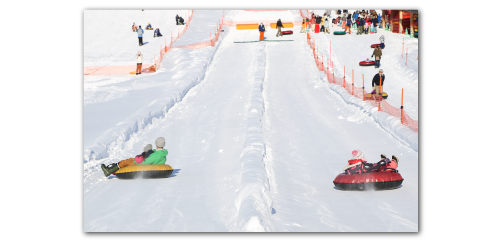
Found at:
(383, 18)
(402, 105)
(400, 22)
(411, 22)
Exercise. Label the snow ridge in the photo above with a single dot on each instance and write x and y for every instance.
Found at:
(253, 199)
(113, 141)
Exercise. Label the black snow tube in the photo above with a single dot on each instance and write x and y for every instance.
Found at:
(289, 32)
(145, 171)
(339, 33)
(369, 181)
(365, 63)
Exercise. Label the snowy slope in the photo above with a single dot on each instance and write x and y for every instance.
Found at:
(109, 40)
(255, 142)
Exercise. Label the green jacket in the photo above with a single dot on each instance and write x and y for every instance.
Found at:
(157, 157)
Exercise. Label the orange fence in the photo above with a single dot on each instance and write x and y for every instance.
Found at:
(264, 10)
(357, 91)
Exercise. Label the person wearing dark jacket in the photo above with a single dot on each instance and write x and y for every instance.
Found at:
(262, 29)
(279, 25)
(181, 21)
(361, 23)
(379, 89)
(375, 22)
(177, 19)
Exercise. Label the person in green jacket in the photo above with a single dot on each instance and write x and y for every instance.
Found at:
(154, 156)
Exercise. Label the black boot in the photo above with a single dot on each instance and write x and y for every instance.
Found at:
(394, 158)
(110, 169)
(383, 156)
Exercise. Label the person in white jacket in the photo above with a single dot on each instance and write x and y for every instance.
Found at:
(382, 40)
(138, 56)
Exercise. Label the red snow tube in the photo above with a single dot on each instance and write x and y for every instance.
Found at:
(368, 181)
(364, 63)
(375, 45)
(289, 32)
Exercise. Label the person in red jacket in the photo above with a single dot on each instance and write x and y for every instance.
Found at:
(358, 164)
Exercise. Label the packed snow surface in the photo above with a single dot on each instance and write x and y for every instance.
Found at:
(254, 131)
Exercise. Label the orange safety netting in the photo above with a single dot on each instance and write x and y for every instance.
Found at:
(264, 10)
(357, 91)
(100, 70)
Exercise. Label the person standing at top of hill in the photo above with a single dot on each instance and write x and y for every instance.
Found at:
(138, 57)
(348, 26)
(360, 22)
(327, 25)
(279, 25)
(322, 23)
(139, 34)
(262, 29)
(177, 19)
(312, 21)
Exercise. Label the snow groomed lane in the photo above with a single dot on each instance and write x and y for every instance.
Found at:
(310, 132)
(204, 135)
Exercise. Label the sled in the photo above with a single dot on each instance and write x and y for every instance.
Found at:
(289, 32)
(365, 63)
(145, 171)
(375, 45)
(370, 96)
(339, 33)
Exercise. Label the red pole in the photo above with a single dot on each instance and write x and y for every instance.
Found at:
(402, 106)
(363, 87)
(344, 79)
(353, 82)
(406, 56)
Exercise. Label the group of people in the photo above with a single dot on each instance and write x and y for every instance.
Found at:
(363, 19)
(148, 156)
(179, 20)
(359, 165)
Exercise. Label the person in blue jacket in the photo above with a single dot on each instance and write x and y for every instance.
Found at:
(140, 31)
(379, 18)
(262, 29)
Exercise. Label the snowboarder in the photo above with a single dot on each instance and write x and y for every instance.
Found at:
(177, 19)
(378, 55)
(138, 57)
(376, 83)
(279, 25)
(158, 156)
(134, 27)
(139, 34)
(262, 29)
